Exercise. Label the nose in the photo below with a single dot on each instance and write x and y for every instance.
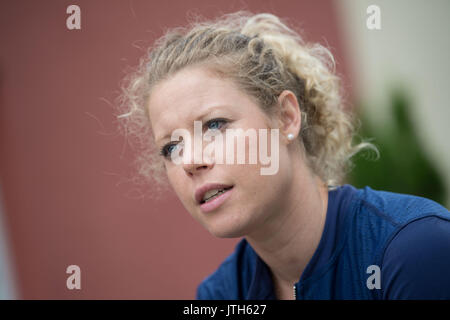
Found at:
(196, 161)
(192, 169)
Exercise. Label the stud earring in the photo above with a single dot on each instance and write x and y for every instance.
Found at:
(290, 136)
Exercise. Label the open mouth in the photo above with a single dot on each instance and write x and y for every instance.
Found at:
(212, 194)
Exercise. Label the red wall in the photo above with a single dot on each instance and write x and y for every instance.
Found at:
(63, 167)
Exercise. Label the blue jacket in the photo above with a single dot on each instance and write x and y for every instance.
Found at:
(375, 245)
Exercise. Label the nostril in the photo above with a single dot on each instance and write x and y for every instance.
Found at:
(199, 167)
(192, 168)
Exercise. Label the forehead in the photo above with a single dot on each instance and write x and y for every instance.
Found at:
(178, 101)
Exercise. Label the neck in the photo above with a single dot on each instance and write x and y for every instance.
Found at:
(288, 241)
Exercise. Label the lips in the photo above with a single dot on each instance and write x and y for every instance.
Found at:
(200, 192)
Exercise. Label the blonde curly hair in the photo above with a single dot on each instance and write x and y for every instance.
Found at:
(264, 57)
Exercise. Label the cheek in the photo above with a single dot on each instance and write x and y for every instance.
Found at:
(252, 185)
(174, 174)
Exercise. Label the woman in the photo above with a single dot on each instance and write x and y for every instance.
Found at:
(304, 235)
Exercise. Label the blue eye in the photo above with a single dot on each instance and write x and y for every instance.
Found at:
(167, 150)
(171, 148)
(215, 124)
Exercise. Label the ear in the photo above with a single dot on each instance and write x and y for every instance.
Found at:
(290, 114)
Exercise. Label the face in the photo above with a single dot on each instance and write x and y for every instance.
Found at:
(195, 94)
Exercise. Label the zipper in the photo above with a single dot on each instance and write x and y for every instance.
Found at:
(295, 292)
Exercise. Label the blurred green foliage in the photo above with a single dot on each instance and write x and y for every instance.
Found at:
(403, 165)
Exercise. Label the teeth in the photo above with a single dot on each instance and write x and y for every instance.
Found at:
(211, 194)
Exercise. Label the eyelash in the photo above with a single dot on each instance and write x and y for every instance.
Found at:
(165, 149)
(221, 120)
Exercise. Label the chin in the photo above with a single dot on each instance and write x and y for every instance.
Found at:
(226, 229)
(226, 233)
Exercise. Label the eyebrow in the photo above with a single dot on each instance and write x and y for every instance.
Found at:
(200, 116)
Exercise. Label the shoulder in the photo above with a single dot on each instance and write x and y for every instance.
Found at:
(416, 261)
(231, 278)
(396, 208)
(408, 237)
(376, 215)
